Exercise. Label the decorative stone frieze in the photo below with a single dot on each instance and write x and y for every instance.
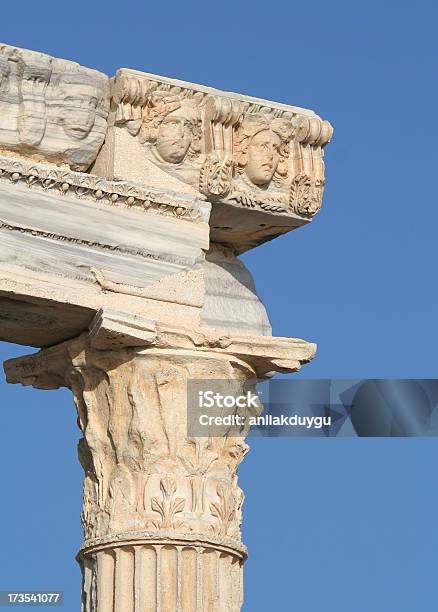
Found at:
(66, 253)
(259, 163)
(262, 161)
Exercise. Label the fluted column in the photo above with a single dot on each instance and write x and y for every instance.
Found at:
(173, 576)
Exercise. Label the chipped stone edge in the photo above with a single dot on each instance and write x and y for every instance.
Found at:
(111, 330)
(255, 103)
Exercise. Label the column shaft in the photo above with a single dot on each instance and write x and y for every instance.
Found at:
(162, 578)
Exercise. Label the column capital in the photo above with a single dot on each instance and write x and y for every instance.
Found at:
(160, 506)
(113, 330)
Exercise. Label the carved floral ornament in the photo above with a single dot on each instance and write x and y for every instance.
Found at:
(230, 149)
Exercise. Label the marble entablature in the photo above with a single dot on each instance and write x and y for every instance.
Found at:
(259, 163)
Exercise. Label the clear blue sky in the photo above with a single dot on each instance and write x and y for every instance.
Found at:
(338, 525)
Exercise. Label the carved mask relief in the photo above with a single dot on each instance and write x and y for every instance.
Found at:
(170, 128)
(174, 138)
(263, 157)
(261, 148)
(57, 110)
(79, 104)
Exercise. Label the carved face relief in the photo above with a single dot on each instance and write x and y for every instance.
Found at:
(170, 129)
(174, 138)
(52, 109)
(263, 157)
(79, 105)
(261, 149)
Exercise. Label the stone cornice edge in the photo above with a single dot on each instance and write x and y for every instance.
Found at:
(81, 185)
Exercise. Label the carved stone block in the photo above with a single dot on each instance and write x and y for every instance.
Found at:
(51, 109)
(62, 257)
(260, 163)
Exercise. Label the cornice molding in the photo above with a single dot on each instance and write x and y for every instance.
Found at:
(62, 181)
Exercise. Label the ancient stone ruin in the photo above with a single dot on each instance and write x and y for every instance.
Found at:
(124, 203)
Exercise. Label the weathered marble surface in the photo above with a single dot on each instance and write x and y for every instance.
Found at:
(51, 109)
(231, 303)
(72, 243)
(61, 245)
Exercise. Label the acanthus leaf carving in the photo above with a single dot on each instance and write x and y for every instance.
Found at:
(306, 195)
(141, 469)
(224, 510)
(168, 506)
(216, 176)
